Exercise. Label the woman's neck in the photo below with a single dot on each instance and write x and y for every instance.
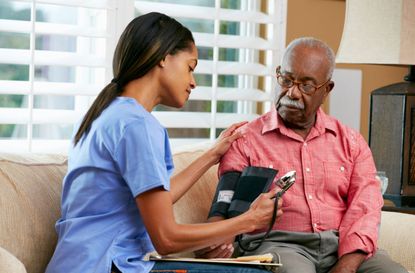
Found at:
(144, 90)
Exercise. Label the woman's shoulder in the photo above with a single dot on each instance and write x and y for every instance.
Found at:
(124, 111)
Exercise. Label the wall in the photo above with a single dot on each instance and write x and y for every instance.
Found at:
(324, 20)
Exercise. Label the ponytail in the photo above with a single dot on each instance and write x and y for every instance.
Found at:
(105, 97)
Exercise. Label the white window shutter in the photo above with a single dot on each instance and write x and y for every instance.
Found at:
(56, 56)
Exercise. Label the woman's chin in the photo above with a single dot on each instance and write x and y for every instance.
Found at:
(175, 104)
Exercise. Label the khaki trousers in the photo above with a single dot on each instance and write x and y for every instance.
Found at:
(314, 253)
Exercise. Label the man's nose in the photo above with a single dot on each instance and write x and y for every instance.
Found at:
(294, 92)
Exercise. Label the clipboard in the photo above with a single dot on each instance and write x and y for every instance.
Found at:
(244, 260)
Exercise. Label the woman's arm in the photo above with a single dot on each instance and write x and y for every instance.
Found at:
(156, 209)
(182, 181)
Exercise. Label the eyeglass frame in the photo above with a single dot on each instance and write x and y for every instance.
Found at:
(279, 75)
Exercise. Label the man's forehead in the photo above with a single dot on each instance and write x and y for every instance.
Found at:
(312, 66)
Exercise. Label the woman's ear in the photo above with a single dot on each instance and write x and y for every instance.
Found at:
(162, 63)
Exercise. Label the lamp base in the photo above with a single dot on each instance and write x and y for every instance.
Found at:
(411, 74)
(392, 138)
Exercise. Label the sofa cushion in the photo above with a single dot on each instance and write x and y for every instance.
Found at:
(30, 200)
(396, 237)
(9, 263)
(194, 206)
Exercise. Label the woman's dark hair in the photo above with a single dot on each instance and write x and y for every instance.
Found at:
(146, 41)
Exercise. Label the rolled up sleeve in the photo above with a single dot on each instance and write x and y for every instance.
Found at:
(359, 227)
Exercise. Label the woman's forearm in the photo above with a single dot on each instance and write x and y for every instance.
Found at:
(156, 209)
(193, 237)
(183, 180)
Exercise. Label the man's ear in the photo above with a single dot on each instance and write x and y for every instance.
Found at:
(330, 86)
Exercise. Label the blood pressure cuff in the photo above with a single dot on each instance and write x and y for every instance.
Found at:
(236, 191)
(253, 182)
(224, 193)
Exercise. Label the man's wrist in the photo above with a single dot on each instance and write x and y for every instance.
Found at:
(350, 262)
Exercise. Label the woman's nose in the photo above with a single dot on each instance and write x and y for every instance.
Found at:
(193, 82)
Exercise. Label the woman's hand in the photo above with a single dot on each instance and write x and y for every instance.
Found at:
(262, 209)
(182, 181)
(225, 140)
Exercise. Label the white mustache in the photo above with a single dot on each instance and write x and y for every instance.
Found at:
(285, 101)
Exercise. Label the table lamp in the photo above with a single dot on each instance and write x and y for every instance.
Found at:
(383, 32)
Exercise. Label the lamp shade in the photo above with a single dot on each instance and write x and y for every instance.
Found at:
(378, 32)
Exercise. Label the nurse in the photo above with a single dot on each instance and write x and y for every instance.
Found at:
(118, 193)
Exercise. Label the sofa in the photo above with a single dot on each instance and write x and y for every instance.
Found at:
(30, 187)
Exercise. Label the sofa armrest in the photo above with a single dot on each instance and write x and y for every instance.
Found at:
(396, 237)
(9, 263)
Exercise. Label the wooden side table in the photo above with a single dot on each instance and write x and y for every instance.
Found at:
(409, 210)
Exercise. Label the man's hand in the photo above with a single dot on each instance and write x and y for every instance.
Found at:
(224, 250)
(349, 263)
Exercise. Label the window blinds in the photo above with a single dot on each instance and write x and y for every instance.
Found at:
(55, 57)
(239, 44)
(53, 60)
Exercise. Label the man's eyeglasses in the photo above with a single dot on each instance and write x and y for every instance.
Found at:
(306, 88)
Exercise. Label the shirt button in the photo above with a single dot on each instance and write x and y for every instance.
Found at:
(305, 144)
(342, 169)
(270, 166)
(307, 170)
(315, 225)
(310, 196)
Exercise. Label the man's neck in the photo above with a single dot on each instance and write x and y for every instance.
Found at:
(302, 130)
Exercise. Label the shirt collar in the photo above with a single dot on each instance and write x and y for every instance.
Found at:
(273, 121)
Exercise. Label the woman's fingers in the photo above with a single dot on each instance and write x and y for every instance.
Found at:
(230, 130)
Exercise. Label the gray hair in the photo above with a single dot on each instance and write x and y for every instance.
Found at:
(311, 42)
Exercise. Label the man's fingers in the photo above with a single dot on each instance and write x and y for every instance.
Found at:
(222, 251)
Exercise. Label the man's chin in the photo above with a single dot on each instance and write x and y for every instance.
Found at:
(291, 121)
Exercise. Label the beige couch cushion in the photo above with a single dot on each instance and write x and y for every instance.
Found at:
(194, 206)
(9, 263)
(30, 197)
(397, 237)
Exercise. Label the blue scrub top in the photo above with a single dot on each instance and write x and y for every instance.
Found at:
(125, 153)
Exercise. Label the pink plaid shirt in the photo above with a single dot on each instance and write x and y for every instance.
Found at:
(335, 189)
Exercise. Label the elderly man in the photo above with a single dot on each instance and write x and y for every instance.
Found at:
(331, 215)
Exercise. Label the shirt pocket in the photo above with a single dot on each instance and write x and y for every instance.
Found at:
(336, 183)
